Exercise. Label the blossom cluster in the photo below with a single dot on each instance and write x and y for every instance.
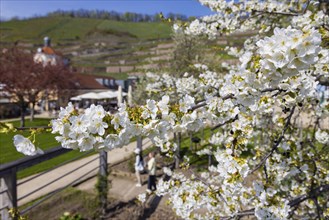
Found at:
(270, 131)
(238, 16)
(287, 52)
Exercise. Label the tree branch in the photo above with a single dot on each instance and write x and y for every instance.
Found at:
(32, 128)
(272, 89)
(203, 102)
(226, 122)
(312, 194)
(199, 105)
(292, 13)
(293, 203)
(276, 143)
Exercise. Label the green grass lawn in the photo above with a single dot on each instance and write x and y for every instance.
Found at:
(44, 141)
(142, 30)
(8, 151)
(27, 30)
(49, 164)
(196, 160)
(62, 29)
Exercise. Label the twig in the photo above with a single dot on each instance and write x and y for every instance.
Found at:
(318, 208)
(207, 184)
(266, 175)
(293, 203)
(240, 214)
(29, 128)
(199, 105)
(273, 89)
(226, 122)
(312, 194)
(203, 102)
(296, 13)
(276, 143)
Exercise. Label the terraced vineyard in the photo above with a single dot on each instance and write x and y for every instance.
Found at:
(97, 46)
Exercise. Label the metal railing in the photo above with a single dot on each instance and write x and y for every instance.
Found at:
(8, 178)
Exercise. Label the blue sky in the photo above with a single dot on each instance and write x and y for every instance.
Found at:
(28, 8)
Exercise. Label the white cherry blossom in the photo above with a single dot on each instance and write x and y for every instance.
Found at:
(25, 146)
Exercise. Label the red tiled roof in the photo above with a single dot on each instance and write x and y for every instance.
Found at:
(85, 81)
(48, 50)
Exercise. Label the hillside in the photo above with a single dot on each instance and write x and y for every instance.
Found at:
(65, 29)
(96, 46)
(104, 47)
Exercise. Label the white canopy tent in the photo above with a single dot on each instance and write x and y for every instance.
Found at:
(107, 94)
(90, 95)
(110, 94)
(102, 95)
(75, 98)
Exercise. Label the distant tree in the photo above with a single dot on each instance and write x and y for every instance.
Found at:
(157, 17)
(127, 16)
(191, 18)
(113, 15)
(147, 18)
(15, 18)
(188, 50)
(24, 79)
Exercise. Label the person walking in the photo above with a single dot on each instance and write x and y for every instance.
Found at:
(139, 166)
(151, 166)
